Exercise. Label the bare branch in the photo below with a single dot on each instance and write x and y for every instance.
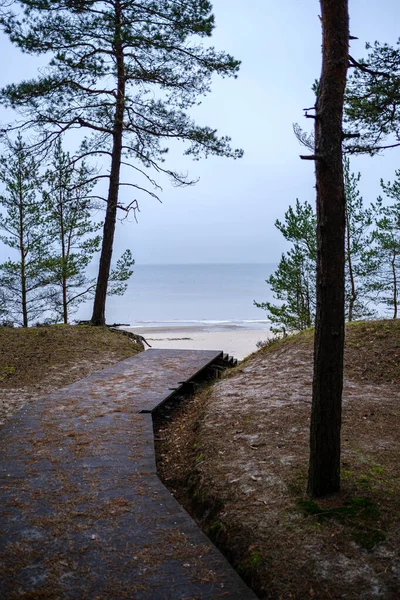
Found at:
(365, 68)
(346, 136)
(142, 189)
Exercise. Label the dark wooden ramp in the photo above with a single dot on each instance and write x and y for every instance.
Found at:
(83, 514)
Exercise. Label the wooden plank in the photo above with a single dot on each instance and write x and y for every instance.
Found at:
(82, 511)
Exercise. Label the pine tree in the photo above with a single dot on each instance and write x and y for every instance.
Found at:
(23, 277)
(126, 72)
(384, 257)
(324, 465)
(293, 283)
(357, 243)
(69, 206)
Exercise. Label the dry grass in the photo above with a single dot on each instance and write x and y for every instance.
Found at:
(38, 360)
(237, 456)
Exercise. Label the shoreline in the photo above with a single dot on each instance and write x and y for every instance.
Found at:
(234, 340)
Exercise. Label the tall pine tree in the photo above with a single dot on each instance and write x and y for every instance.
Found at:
(384, 257)
(23, 277)
(126, 72)
(293, 283)
(324, 466)
(69, 206)
(357, 242)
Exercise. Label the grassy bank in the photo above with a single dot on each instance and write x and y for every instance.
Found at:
(38, 360)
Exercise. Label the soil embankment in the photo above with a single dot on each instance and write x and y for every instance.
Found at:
(236, 456)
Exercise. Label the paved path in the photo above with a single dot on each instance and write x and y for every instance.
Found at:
(83, 514)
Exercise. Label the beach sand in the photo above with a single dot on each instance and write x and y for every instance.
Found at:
(234, 340)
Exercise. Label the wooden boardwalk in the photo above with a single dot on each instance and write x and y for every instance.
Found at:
(83, 514)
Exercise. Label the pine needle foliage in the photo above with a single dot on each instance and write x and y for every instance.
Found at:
(372, 107)
(24, 282)
(294, 282)
(126, 73)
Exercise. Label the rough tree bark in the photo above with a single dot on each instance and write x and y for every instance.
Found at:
(23, 272)
(324, 467)
(353, 293)
(395, 292)
(63, 254)
(99, 306)
(22, 251)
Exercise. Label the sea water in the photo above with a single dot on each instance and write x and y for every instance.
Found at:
(189, 295)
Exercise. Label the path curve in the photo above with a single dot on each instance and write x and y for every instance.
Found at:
(83, 514)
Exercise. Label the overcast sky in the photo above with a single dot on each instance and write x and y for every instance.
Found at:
(229, 215)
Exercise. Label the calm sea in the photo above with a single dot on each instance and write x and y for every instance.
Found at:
(179, 295)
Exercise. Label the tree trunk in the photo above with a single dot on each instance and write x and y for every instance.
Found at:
(63, 255)
(353, 293)
(324, 468)
(394, 285)
(99, 307)
(24, 304)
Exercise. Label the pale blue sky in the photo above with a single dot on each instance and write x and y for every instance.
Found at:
(229, 215)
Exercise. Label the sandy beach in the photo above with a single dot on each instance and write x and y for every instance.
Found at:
(235, 340)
